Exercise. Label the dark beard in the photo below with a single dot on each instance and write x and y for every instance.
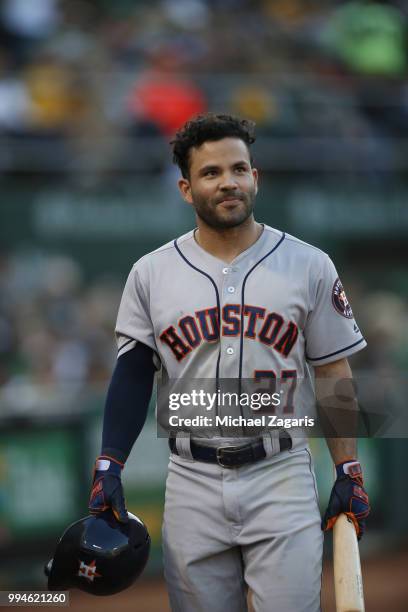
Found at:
(208, 211)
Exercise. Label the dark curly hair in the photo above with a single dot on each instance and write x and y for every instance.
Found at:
(207, 127)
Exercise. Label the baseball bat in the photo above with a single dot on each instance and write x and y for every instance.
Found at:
(348, 581)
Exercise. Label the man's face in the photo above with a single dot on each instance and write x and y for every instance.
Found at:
(222, 185)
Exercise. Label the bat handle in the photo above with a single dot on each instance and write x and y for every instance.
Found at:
(348, 581)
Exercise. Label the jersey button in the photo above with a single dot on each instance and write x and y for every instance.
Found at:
(225, 270)
(230, 350)
(231, 289)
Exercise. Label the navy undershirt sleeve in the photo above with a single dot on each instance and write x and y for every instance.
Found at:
(127, 401)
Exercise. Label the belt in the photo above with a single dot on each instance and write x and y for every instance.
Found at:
(232, 456)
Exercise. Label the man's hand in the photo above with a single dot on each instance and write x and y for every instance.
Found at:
(348, 496)
(107, 491)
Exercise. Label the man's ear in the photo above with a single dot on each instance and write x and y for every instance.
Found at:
(255, 175)
(185, 190)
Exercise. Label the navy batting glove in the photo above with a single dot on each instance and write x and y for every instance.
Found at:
(107, 491)
(349, 497)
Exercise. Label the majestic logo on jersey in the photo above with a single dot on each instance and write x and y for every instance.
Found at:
(340, 301)
(269, 328)
(88, 571)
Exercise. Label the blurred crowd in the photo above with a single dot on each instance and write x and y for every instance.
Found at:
(56, 331)
(84, 82)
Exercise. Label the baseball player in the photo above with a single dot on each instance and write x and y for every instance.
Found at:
(233, 299)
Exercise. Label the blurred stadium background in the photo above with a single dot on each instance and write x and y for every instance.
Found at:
(91, 92)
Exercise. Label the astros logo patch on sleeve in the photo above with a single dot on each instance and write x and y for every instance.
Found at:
(340, 301)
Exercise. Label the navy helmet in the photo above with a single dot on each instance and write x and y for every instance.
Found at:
(99, 555)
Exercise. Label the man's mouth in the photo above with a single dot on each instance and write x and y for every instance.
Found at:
(230, 200)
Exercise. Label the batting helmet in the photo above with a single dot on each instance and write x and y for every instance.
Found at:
(99, 555)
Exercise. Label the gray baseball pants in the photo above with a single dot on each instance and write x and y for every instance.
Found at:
(257, 526)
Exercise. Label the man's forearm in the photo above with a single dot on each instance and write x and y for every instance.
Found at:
(342, 449)
(338, 409)
(127, 401)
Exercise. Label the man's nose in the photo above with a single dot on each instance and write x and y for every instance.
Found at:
(228, 182)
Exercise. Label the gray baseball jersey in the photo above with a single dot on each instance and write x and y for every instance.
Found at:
(281, 304)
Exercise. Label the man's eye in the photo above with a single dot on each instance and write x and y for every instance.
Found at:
(210, 173)
(241, 169)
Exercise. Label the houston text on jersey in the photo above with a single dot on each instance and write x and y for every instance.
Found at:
(269, 328)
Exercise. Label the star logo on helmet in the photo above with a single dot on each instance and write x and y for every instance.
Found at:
(88, 571)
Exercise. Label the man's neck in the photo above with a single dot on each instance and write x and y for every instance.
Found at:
(227, 244)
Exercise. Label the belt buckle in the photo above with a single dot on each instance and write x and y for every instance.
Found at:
(226, 449)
